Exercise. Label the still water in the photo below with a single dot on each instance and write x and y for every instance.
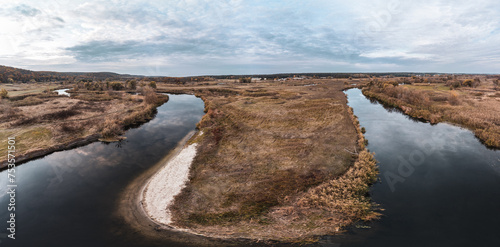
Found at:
(438, 184)
(67, 198)
(62, 92)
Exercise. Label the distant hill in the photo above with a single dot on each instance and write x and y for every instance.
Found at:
(11, 74)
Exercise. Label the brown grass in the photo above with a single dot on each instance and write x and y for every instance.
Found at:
(31, 100)
(22, 89)
(111, 128)
(95, 95)
(84, 115)
(344, 198)
(267, 148)
(115, 127)
(475, 108)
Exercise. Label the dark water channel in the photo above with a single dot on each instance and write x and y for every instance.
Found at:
(67, 198)
(438, 184)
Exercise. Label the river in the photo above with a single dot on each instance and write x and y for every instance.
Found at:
(438, 184)
(68, 198)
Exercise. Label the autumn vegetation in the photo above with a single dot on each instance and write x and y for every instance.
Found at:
(282, 158)
(4, 93)
(276, 162)
(469, 102)
(46, 121)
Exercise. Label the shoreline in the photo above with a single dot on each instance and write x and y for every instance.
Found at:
(131, 208)
(252, 232)
(82, 141)
(410, 112)
(159, 193)
(133, 205)
(36, 154)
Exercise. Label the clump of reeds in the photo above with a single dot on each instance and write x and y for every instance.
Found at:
(361, 138)
(139, 116)
(111, 128)
(346, 195)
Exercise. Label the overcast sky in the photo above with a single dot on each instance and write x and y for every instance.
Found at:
(194, 37)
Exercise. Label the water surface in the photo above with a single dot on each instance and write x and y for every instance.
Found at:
(62, 92)
(438, 184)
(67, 198)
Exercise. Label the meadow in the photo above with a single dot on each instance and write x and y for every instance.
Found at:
(276, 161)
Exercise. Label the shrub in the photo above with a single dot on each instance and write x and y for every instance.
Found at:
(4, 93)
(471, 83)
(116, 85)
(245, 80)
(453, 98)
(150, 95)
(111, 128)
(453, 84)
(99, 86)
(152, 84)
(87, 85)
(132, 84)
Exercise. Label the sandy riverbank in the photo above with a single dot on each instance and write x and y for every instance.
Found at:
(132, 211)
(160, 191)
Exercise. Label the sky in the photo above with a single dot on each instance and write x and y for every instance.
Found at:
(220, 37)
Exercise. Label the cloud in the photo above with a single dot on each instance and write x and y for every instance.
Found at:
(225, 30)
(230, 36)
(26, 10)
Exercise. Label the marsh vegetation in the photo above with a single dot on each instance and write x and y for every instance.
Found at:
(471, 103)
(276, 162)
(47, 121)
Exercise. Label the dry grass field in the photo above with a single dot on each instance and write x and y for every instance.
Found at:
(19, 89)
(43, 121)
(476, 108)
(276, 161)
